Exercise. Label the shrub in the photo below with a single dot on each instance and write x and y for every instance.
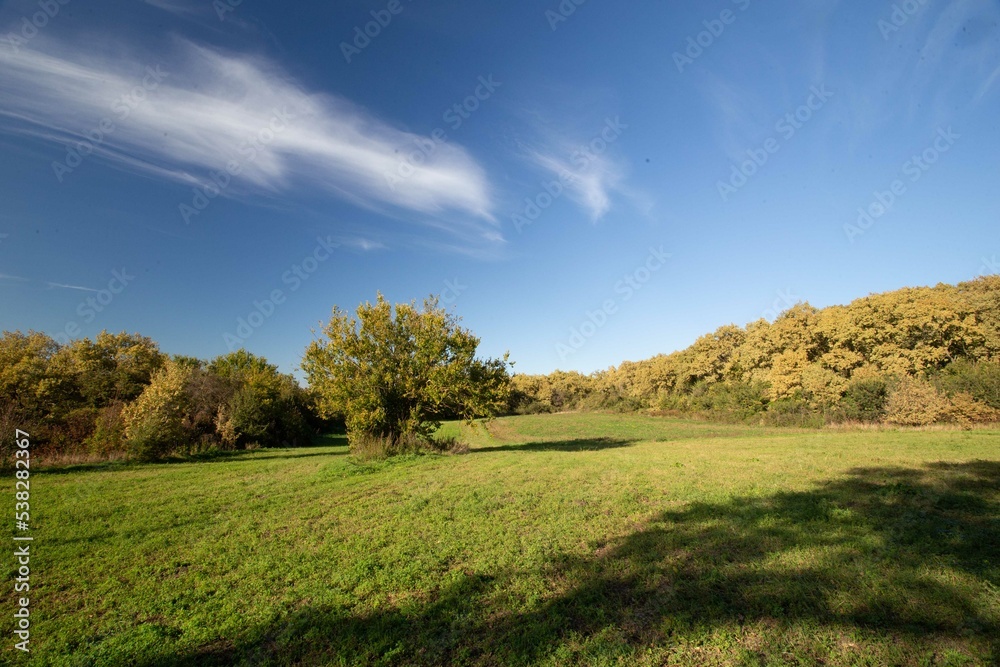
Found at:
(792, 412)
(368, 446)
(741, 400)
(731, 401)
(449, 445)
(611, 400)
(205, 394)
(247, 418)
(531, 407)
(674, 403)
(146, 442)
(68, 433)
(108, 437)
(980, 380)
(914, 402)
(965, 410)
(12, 416)
(267, 409)
(865, 400)
(297, 420)
(154, 422)
(558, 391)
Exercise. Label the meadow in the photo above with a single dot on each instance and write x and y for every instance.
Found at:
(564, 539)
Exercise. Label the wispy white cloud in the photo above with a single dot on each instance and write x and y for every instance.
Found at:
(941, 60)
(178, 7)
(205, 112)
(48, 284)
(744, 115)
(990, 81)
(75, 287)
(589, 186)
(591, 178)
(362, 243)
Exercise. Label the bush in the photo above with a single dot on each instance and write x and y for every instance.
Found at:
(792, 412)
(980, 380)
(69, 433)
(965, 410)
(611, 400)
(915, 402)
(154, 422)
(449, 445)
(368, 446)
(205, 395)
(742, 400)
(268, 410)
(146, 442)
(108, 437)
(247, 418)
(12, 417)
(531, 407)
(297, 420)
(865, 400)
(730, 401)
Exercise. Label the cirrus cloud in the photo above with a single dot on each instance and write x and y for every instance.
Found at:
(207, 106)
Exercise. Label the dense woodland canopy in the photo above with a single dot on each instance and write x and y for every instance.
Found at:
(912, 357)
(909, 357)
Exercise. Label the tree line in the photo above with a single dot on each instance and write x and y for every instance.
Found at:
(392, 374)
(119, 396)
(910, 357)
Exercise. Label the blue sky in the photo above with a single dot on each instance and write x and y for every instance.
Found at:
(582, 183)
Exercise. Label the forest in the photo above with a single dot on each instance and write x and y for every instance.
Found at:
(910, 357)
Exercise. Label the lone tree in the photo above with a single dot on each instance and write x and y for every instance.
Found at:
(395, 373)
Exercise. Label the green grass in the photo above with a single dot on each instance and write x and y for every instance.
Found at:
(558, 540)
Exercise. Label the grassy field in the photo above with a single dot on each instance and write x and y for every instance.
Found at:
(557, 540)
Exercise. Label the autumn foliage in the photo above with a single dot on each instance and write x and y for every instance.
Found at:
(911, 357)
(394, 372)
(119, 396)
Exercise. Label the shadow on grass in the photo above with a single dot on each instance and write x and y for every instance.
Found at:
(900, 564)
(213, 456)
(576, 445)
